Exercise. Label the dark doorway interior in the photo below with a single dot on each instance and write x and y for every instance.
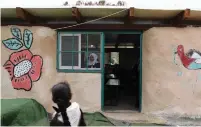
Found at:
(124, 93)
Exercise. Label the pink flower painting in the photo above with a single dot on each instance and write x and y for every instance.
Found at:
(24, 67)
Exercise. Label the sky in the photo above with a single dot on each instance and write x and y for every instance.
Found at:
(146, 4)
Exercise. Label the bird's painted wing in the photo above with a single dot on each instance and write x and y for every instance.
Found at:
(195, 55)
(198, 61)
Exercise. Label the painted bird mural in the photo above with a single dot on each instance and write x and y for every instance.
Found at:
(191, 60)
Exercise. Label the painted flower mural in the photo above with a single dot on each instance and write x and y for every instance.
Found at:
(24, 67)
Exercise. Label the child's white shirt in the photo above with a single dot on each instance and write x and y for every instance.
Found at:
(73, 112)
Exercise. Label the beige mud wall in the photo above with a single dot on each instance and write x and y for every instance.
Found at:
(86, 88)
(168, 88)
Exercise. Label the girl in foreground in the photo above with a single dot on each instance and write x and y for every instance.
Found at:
(67, 113)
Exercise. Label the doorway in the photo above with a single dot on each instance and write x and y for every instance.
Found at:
(121, 78)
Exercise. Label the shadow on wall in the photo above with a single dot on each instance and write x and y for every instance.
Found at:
(24, 67)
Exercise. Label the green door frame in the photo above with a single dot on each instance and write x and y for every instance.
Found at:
(103, 62)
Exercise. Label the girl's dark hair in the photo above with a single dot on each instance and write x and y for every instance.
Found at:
(61, 93)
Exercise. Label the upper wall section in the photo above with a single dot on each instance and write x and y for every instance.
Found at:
(28, 64)
(171, 71)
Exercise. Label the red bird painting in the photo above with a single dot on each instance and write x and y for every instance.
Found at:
(191, 60)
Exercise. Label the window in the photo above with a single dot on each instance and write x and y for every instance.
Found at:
(79, 51)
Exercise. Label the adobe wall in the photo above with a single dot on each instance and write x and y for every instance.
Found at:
(86, 88)
(167, 86)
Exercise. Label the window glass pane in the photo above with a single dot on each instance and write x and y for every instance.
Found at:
(75, 59)
(84, 42)
(94, 42)
(84, 51)
(66, 59)
(90, 43)
(76, 43)
(67, 43)
(83, 60)
(93, 60)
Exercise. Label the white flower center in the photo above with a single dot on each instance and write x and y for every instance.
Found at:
(22, 68)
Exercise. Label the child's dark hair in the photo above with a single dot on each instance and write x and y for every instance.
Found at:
(61, 93)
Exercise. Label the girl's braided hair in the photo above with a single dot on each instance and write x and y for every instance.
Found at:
(61, 95)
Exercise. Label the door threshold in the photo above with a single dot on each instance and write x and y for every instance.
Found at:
(121, 111)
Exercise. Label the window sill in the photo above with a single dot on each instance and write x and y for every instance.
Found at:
(78, 71)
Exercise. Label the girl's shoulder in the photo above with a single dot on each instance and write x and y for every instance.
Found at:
(73, 113)
(73, 105)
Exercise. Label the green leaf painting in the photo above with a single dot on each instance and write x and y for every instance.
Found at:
(12, 43)
(16, 32)
(27, 38)
(19, 39)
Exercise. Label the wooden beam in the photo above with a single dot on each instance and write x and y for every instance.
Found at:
(179, 18)
(25, 15)
(77, 15)
(130, 16)
(131, 13)
(94, 27)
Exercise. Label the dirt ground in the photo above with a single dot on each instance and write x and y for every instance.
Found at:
(139, 118)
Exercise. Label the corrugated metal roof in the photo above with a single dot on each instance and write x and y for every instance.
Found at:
(100, 12)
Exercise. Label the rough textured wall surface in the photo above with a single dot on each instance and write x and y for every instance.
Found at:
(86, 92)
(170, 84)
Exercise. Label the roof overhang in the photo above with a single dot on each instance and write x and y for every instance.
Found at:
(120, 15)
